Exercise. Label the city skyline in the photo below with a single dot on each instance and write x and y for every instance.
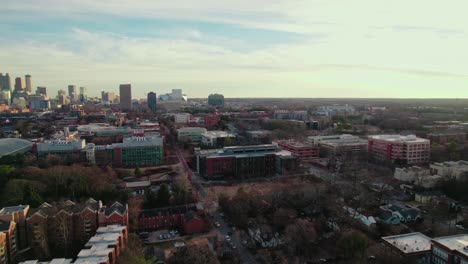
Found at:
(313, 49)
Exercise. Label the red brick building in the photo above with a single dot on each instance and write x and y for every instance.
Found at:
(406, 150)
(66, 227)
(301, 150)
(211, 120)
(450, 249)
(3, 249)
(17, 214)
(11, 234)
(186, 218)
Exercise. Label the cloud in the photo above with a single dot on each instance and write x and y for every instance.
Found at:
(396, 41)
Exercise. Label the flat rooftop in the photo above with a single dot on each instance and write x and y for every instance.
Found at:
(217, 134)
(295, 144)
(456, 242)
(412, 243)
(400, 138)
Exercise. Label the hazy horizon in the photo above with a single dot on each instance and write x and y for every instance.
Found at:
(300, 49)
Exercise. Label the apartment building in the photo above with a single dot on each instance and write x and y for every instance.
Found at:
(67, 226)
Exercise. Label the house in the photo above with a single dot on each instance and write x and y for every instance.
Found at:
(388, 217)
(405, 214)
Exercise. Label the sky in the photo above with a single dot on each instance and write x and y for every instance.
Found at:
(241, 48)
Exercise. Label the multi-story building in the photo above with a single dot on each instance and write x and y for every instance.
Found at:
(8, 229)
(450, 169)
(72, 93)
(414, 247)
(5, 97)
(294, 115)
(107, 97)
(216, 100)
(345, 144)
(3, 249)
(445, 137)
(5, 82)
(333, 110)
(41, 90)
(184, 217)
(450, 249)
(60, 147)
(18, 84)
(83, 95)
(67, 226)
(193, 134)
(103, 130)
(418, 248)
(133, 151)
(243, 162)
(17, 214)
(255, 137)
(301, 150)
(105, 246)
(125, 97)
(152, 101)
(28, 80)
(211, 120)
(398, 149)
(218, 139)
(181, 118)
(175, 96)
(418, 176)
(102, 248)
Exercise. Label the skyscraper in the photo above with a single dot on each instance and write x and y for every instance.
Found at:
(125, 97)
(216, 100)
(72, 92)
(61, 92)
(83, 94)
(28, 83)
(7, 82)
(18, 84)
(41, 90)
(152, 101)
(1, 81)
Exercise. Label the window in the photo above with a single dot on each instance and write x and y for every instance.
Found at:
(440, 253)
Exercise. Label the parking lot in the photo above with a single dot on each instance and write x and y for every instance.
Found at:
(159, 236)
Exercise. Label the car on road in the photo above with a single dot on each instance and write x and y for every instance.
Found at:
(228, 238)
(217, 224)
(460, 227)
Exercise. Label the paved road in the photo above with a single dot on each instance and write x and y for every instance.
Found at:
(245, 255)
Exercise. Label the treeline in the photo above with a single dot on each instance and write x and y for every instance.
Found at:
(34, 185)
